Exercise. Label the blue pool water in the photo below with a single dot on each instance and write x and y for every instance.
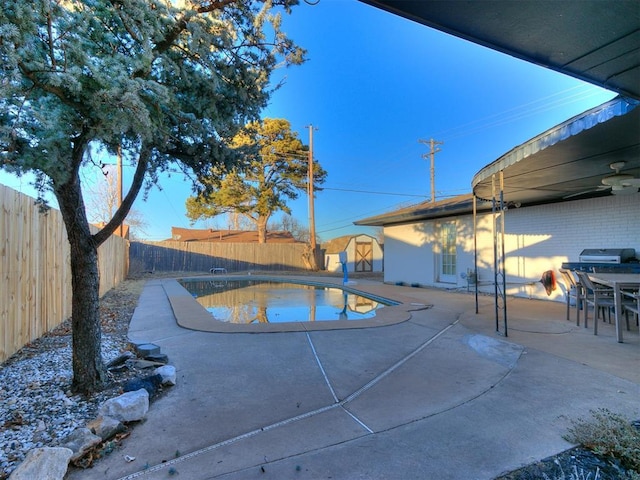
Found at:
(263, 301)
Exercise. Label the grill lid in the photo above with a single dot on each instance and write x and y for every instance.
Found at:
(618, 254)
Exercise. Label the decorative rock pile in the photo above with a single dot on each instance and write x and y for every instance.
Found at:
(51, 462)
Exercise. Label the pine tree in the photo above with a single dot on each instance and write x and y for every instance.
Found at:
(274, 169)
(167, 81)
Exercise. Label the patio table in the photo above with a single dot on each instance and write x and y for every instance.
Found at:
(618, 281)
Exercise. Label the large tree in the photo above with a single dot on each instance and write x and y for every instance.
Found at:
(165, 80)
(274, 170)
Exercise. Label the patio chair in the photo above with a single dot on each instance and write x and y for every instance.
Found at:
(572, 290)
(599, 296)
(633, 306)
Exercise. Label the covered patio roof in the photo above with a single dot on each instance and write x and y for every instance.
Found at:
(571, 160)
(596, 41)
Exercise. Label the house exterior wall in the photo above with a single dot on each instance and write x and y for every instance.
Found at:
(332, 262)
(537, 239)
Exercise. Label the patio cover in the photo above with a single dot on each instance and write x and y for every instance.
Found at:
(594, 40)
(569, 160)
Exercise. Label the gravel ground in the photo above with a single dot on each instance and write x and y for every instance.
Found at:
(37, 408)
(575, 464)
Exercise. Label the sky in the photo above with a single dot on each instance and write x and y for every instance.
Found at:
(375, 86)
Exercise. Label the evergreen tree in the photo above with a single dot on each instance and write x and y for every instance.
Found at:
(275, 168)
(166, 80)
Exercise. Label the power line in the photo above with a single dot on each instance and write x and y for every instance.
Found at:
(510, 115)
(516, 113)
(373, 193)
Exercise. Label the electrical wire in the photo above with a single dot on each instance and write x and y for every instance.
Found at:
(494, 120)
(374, 193)
(517, 113)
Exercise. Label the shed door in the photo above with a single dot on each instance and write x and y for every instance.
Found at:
(364, 257)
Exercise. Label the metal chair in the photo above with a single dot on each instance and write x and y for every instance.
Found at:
(599, 296)
(633, 306)
(572, 291)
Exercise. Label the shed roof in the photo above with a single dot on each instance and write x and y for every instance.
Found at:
(339, 244)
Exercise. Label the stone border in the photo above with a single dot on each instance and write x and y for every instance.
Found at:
(191, 315)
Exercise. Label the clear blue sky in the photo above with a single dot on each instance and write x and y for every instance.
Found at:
(374, 85)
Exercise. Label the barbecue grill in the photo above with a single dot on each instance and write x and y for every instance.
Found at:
(607, 255)
(622, 260)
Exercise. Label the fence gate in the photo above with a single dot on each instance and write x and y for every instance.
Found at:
(364, 257)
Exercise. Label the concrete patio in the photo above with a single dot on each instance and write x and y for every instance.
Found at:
(439, 395)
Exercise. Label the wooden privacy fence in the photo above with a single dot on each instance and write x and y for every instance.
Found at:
(202, 256)
(35, 273)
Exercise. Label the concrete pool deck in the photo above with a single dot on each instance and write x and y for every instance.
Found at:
(440, 395)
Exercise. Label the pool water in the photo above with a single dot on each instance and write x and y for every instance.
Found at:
(263, 301)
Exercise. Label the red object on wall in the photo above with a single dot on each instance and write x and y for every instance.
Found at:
(548, 281)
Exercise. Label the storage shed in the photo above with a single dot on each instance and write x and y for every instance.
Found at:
(364, 254)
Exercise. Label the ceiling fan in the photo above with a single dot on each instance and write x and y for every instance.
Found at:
(619, 183)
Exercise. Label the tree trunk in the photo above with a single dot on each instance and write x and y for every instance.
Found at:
(89, 374)
(262, 228)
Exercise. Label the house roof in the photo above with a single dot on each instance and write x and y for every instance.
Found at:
(227, 236)
(592, 40)
(458, 205)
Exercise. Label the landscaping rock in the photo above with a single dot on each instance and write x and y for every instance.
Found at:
(151, 384)
(146, 349)
(128, 407)
(47, 463)
(142, 364)
(168, 374)
(80, 442)
(106, 427)
(120, 359)
(158, 357)
(37, 408)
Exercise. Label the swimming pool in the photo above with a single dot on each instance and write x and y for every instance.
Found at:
(256, 301)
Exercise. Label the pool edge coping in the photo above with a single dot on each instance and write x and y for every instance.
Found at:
(191, 315)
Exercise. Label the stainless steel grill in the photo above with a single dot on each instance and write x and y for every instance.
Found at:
(607, 255)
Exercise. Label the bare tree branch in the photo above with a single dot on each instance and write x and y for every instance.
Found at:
(127, 202)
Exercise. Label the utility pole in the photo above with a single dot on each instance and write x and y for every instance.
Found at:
(312, 220)
(119, 187)
(433, 150)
